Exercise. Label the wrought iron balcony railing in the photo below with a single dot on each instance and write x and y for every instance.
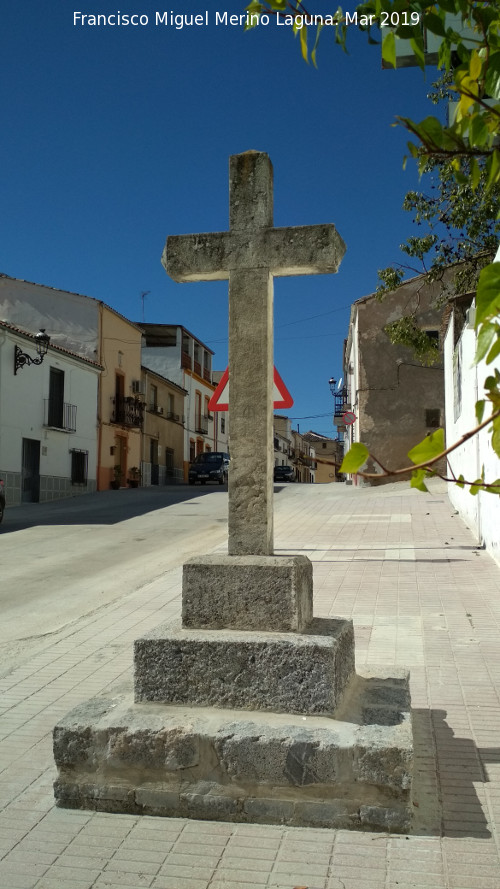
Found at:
(127, 411)
(57, 415)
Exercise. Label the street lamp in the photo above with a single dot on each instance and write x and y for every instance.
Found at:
(42, 346)
(332, 383)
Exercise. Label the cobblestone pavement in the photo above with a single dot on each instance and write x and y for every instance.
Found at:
(404, 567)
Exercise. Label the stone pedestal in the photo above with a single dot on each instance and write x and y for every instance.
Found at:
(256, 725)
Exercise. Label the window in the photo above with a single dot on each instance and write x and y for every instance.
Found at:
(171, 404)
(434, 337)
(223, 425)
(153, 397)
(56, 398)
(192, 450)
(433, 418)
(79, 467)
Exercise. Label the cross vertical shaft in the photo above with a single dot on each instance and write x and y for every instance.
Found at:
(250, 517)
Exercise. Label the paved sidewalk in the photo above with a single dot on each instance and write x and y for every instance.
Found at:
(403, 566)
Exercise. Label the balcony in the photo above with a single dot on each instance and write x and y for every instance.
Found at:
(201, 425)
(341, 406)
(197, 367)
(207, 375)
(127, 411)
(59, 416)
(186, 360)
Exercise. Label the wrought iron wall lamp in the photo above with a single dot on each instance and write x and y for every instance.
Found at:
(42, 346)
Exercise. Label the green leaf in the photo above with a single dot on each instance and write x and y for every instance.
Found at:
(494, 487)
(460, 481)
(485, 338)
(494, 351)
(475, 173)
(478, 131)
(355, 457)
(493, 168)
(444, 55)
(430, 131)
(480, 405)
(417, 480)
(313, 53)
(495, 437)
(429, 448)
(303, 43)
(417, 45)
(435, 24)
(253, 9)
(488, 293)
(476, 487)
(492, 80)
(389, 49)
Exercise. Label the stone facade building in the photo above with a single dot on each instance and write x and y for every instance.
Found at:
(396, 400)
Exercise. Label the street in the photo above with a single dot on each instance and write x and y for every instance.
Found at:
(67, 559)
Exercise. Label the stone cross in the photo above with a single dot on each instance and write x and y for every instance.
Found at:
(250, 255)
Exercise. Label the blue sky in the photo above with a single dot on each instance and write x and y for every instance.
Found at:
(115, 137)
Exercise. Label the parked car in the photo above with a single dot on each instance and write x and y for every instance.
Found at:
(284, 474)
(2, 500)
(212, 466)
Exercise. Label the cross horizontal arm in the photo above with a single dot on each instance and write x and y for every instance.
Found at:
(304, 250)
(296, 250)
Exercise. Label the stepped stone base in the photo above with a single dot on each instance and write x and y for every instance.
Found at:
(282, 672)
(115, 755)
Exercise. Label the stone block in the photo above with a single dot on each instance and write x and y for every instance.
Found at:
(249, 767)
(281, 672)
(270, 593)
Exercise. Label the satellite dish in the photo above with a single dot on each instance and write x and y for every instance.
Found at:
(339, 383)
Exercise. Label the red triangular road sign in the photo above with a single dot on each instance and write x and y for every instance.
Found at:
(220, 399)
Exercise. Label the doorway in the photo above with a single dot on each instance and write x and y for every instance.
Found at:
(30, 479)
(153, 457)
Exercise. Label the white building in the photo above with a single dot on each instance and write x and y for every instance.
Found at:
(464, 385)
(178, 355)
(48, 420)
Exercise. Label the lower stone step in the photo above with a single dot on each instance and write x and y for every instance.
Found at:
(115, 755)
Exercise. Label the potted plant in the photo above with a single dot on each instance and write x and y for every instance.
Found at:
(118, 475)
(134, 477)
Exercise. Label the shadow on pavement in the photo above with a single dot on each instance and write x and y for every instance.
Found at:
(103, 507)
(447, 771)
